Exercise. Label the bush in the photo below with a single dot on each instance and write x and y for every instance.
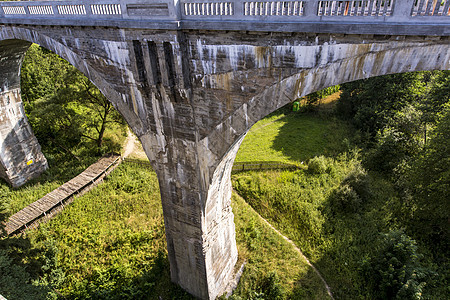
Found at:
(358, 180)
(352, 193)
(396, 271)
(318, 165)
(345, 199)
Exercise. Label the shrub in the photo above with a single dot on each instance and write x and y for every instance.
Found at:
(358, 180)
(345, 199)
(318, 165)
(396, 271)
(352, 193)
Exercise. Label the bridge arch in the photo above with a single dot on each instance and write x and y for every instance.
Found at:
(22, 36)
(360, 63)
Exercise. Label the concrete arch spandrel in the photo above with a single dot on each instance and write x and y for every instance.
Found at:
(363, 61)
(400, 60)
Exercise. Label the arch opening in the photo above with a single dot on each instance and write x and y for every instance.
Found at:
(360, 207)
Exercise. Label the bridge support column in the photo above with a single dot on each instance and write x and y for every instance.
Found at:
(199, 222)
(21, 158)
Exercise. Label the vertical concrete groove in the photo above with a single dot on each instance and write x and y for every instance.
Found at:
(154, 61)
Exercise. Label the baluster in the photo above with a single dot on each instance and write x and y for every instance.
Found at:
(423, 7)
(371, 11)
(330, 8)
(428, 7)
(365, 8)
(446, 10)
(436, 7)
(359, 11)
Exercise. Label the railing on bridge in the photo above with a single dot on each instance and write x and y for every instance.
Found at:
(230, 10)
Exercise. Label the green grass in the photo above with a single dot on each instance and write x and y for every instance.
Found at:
(111, 245)
(265, 252)
(17, 199)
(111, 241)
(293, 138)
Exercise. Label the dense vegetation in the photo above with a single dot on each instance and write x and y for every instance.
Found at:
(374, 217)
(68, 117)
(72, 120)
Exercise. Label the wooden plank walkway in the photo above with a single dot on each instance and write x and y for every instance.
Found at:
(52, 203)
(263, 165)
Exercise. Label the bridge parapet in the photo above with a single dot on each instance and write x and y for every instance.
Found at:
(289, 15)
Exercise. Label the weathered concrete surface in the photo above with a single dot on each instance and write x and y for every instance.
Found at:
(20, 156)
(190, 96)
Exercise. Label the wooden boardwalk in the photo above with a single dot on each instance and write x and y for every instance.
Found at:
(263, 165)
(52, 203)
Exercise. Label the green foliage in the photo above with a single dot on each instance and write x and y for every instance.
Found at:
(405, 136)
(273, 269)
(396, 272)
(297, 196)
(42, 74)
(351, 194)
(29, 271)
(394, 114)
(16, 282)
(317, 96)
(110, 244)
(428, 180)
(318, 165)
(369, 103)
(64, 108)
(401, 138)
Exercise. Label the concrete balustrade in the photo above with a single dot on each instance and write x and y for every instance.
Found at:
(173, 13)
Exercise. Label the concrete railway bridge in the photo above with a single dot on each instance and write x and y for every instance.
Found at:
(192, 76)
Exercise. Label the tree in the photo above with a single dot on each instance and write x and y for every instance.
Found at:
(396, 271)
(63, 106)
(98, 111)
(371, 103)
(429, 182)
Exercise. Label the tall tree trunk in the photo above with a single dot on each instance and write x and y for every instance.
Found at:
(102, 129)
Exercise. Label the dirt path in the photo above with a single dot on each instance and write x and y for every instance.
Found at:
(298, 250)
(132, 147)
(129, 144)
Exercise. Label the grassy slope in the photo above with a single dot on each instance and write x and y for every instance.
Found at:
(112, 246)
(296, 202)
(292, 138)
(338, 239)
